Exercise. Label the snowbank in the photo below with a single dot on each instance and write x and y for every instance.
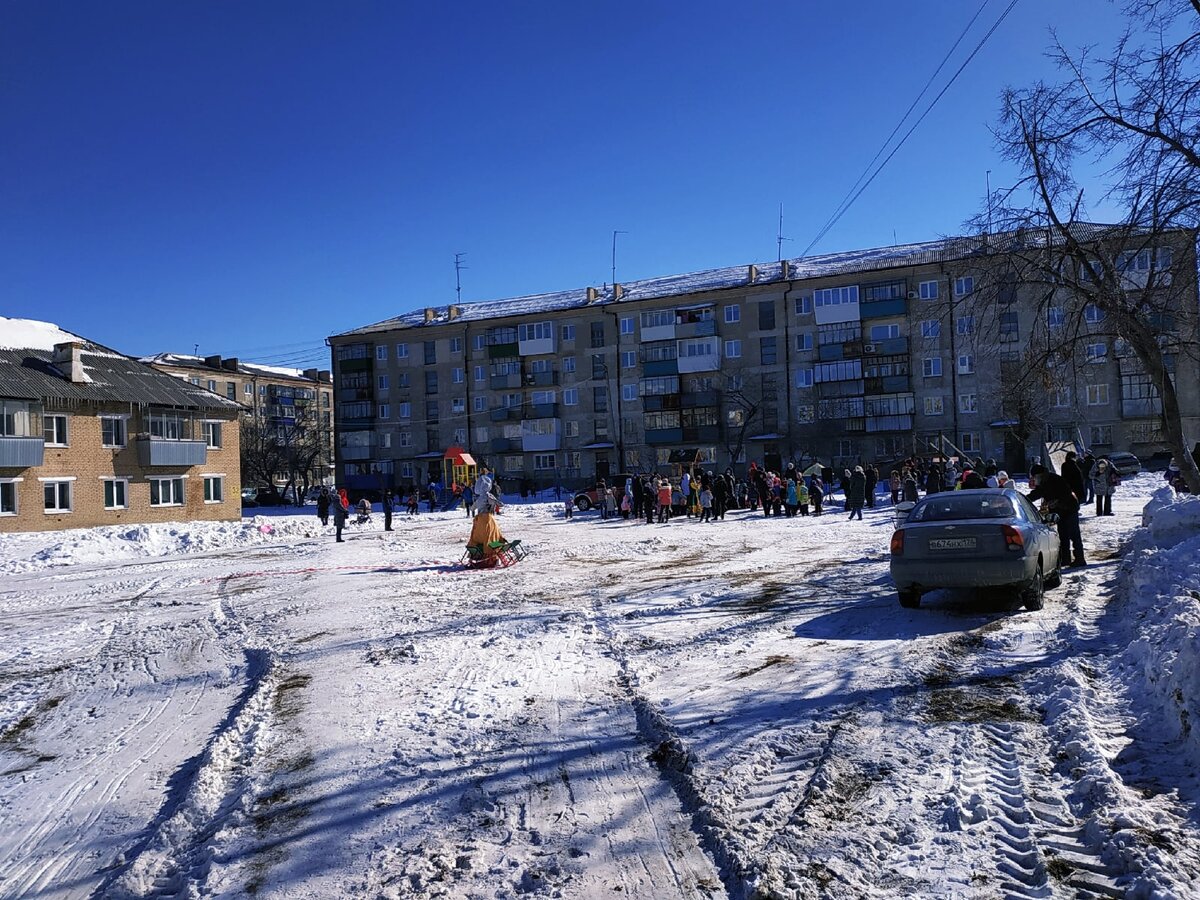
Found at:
(41, 550)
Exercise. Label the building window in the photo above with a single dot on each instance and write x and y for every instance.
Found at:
(431, 383)
(1097, 395)
(431, 411)
(571, 397)
(405, 438)
(1009, 327)
(1092, 313)
(1097, 353)
(600, 398)
(514, 464)
(804, 341)
(884, 332)
(381, 352)
(458, 405)
(1062, 398)
(479, 342)
(457, 376)
(933, 406)
(931, 366)
(535, 331)
(166, 491)
(568, 364)
(115, 493)
(733, 349)
(480, 374)
(383, 382)
(766, 315)
(733, 313)
(402, 351)
(480, 404)
(166, 427)
(55, 430)
(629, 392)
(385, 440)
(964, 286)
(248, 389)
(1101, 435)
(57, 496)
(385, 411)
(767, 351)
(969, 442)
(968, 403)
(599, 369)
(804, 306)
(1054, 317)
(544, 461)
(597, 334)
(966, 364)
(628, 359)
(481, 435)
(836, 296)
(405, 410)
(694, 347)
(804, 378)
(214, 488)
(626, 324)
(931, 328)
(966, 325)
(406, 470)
(212, 434)
(8, 496)
(231, 390)
(928, 290)
(568, 332)
(571, 429)
(456, 345)
(211, 384)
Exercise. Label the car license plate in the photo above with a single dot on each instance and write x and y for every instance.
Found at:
(966, 543)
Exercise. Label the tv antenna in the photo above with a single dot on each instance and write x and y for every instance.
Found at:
(779, 238)
(614, 257)
(458, 267)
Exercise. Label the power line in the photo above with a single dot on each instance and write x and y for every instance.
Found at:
(854, 194)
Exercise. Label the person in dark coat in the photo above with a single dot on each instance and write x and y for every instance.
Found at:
(872, 475)
(816, 493)
(911, 494)
(1074, 475)
(1062, 500)
(856, 492)
(933, 481)
(389, 504)
(637, 498)
(720, 489)
(1085, 467)
(323, 506)
(339, 519)
(972, 480)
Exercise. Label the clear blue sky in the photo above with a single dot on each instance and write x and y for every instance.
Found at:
(252, 177)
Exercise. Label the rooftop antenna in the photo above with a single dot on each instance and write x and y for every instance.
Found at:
(458, 267)
(614, 255)
(779, 238)
(195, 350)
(988, 180)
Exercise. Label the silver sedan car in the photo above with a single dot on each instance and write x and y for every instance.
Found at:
(990, 537)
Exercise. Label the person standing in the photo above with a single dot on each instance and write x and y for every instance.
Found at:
(685, 488)
(856, 492)
(816, 491)
(339, 519)
(894, 485)
(1074, 475)
(389, 504)
(1062, 501)
(1103, 481)
(933, 480)
(909, 486)
(323, 506)
(664, 501)
(872, 476)
(706, 502)
(483, 484)
(1086, 467)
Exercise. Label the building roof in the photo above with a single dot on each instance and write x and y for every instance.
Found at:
(28, 372)
(185, 361)
(829, 264)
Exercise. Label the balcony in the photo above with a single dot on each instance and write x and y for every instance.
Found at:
(655, 402)
(877, 308)
(505, 414)
(660, 367)
(536, 346)
(889, 423)
(157, 452)
(542, 379)
(541, 411)
(503, 382)
(702, 434)
(699, 398)
(1140, 408)
(664, 436)
(695, 329)
(503, 445)
(355, 453)
(503, 351)
(844, 350)
(889, 384)
(362, 364)
(658, 332)
(888, 347)
(349, 395)
(21, 452)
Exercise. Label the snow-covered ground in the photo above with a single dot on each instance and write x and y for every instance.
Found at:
(739, 709)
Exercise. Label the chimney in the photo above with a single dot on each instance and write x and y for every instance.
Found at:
(310, 374)
(454, 311)
(753, 273)
(430, 313)
(230, 364)
(618, 292)
(213, 362)
(592, 295)
(68, 359)
(325, 376)
(785, 269)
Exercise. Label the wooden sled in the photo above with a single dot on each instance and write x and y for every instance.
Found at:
(496, 555)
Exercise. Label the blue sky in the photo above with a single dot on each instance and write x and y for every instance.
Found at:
(251, 177)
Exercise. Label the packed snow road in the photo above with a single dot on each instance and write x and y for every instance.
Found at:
(722, 710)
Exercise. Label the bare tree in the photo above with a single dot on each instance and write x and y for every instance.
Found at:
(1136, 114)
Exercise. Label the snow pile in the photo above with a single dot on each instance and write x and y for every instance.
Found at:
(30, 334)
(1165, 591)
(84, 546)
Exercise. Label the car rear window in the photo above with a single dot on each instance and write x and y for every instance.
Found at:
(973, 506)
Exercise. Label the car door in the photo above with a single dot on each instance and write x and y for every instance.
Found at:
(1047, 536)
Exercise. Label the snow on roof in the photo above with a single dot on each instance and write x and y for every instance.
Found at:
(198, 362)
(31, 334)
(274, 370)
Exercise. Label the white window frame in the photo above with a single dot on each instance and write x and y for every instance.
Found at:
(928, 290)
(733, 349)
(405, 438)
(965, 325)
(383, 381)
(964, 285)
(733, 313)
(457, 376)
(935, 406)
(568, 364)
(385, 411)
(570, 397)
(885, 332)
(626, 324)
(68, 480)
(206, 430)
(219, 479)
(458, 405)
(480, 374)
(1093, 313)
(66, 428)
(629, 392)
(540, 459)
(171, 479)
(1096, 353)
(402, 351)
(1097, 395)
(568, 332)
(124, 420)
(931, 328)
(966, 363)
(456, 345)
(628, 359)
(381, 353)
(804, 342)
(804, 306)
(804, 378)
(480, 404)
(1055, 317)
(968, 403)
(405, 410)
(931, 367)
(16, 496)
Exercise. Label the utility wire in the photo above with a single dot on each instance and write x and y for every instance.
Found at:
(847, 202)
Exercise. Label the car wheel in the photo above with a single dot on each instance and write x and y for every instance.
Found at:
(1053, 580)
(1033, 595)
(910, 599)
(583, 504)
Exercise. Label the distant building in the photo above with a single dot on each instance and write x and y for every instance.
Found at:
(284, 400)
(89, 436)
(848, 357)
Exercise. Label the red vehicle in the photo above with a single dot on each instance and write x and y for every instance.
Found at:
(590, 497)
